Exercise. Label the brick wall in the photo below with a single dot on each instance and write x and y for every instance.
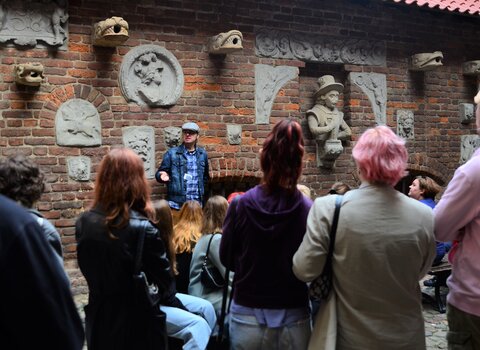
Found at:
(219, 90)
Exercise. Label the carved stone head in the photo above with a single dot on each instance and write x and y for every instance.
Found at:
(30, 74)
(326, 84)
(224, 43)
(110, 32)
(426, 61)
(471, 68)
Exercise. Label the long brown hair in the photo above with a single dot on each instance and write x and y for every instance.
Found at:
(164, 222)
(120, 186)
(187, 231)
(214, 214)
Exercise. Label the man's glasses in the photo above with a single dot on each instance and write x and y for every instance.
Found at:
(189, 132)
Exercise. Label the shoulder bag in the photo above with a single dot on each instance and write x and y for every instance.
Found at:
(210, 277)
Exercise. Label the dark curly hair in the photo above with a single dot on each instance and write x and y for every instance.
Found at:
(21, 180)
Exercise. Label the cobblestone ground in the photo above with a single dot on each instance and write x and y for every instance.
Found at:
(435, 322)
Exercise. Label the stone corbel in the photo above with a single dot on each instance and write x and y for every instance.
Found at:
(30, 74)
(224, 43)
(471, 68)
(426, 61)
(110, 32)
(327, 152)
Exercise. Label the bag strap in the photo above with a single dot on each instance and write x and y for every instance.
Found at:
(208, 249)
(139, 251)
(333, 230)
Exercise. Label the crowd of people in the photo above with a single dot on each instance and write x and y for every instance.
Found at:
(273, 238)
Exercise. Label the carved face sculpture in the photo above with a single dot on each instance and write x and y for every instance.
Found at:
(331, 98)
(30, 74)
(224, 43)
(426, 61)
(111, 32)
(471, 68)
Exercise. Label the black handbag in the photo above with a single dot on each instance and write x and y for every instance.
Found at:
(320, 287)
(147, 300)
(210, 277)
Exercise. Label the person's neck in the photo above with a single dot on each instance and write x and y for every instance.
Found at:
(189, 147)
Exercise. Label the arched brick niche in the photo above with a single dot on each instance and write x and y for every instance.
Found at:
(223, 186)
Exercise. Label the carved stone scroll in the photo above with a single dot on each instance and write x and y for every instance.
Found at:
(405, 124)
(79, 168)
(34, 23)
(466, 112)
(426, 61)
(234, 134)
(110, 32)
(374, 85)
(268, 81)
(471, 68)
(469, 144)
(151, 75)
(30, 74)
(224, 43)
(141, 139)
(173, 136)
(319, 48)
(77, 123)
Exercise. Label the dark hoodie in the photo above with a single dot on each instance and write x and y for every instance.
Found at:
(265, 231)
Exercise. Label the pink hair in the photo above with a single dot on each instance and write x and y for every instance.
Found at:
(381, 156)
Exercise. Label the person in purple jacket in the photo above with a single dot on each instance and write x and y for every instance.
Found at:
(457, 217)
(263, 229)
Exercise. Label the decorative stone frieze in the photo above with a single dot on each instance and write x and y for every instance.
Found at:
(77, 123)
(224, 43)
(466, 113)
(426, 61)
(151, 75)
(34, 23)
(471, 68)
(469, 144)
(79, 168)
(141, 139)
(319, 48)
(172, 136)
(30, 74)
(374, 85)
(405, 124)
(268, 81)
(110, 32)
(234, 134)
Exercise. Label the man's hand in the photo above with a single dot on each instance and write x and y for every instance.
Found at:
(164, 176)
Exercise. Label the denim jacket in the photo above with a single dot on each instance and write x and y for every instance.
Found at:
(174, 163)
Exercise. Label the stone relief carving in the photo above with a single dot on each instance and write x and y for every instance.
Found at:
(374, 85)
(79, 168)
(426, 61)
(234, 134)
(469, 144)
(224, 43)
(31, 23)
(151, 75)
(77, 123)
(471, 68)
(141, 139)
(173, 136)
(466, 112)
(405, 124)
(326, 122)
(315, 48)
(110, 32)
(268, 81)
(30, 74)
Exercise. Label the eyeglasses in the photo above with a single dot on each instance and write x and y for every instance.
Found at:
(189, 132)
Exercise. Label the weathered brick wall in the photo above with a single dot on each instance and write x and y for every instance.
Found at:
(220, 90)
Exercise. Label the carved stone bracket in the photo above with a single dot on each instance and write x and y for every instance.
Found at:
(141, 139)
(268, 81)
(426, 61)
(79, 168)
(319, 48)
(469, 144)
(405, 124)
(151, 75)
(471, 68)
(30, 74)
(466, 113)
(110, 32)
(374, 85)
(224, 43)
(77, 123)
(34, 23)
(234, 134)
(172, 136)
(327, 152)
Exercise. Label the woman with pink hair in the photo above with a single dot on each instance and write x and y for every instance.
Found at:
(384, 245)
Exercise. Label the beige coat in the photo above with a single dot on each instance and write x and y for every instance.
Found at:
(384, 246)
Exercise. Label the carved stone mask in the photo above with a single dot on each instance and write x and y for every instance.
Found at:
(224, 43)
(110, 32)
(426, 61)
(30, 74)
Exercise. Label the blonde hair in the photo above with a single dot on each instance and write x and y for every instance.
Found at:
(164, 222)
(305, 190)
(187, 231)
(214, 214)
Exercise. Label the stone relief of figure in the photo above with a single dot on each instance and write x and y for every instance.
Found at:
(59, 16)
(405, 124)
(149, 69)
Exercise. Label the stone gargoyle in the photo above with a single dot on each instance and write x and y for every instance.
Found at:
(426, 61)
(30, 74)
(471, 68)
(224, 43)
(110, 32)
